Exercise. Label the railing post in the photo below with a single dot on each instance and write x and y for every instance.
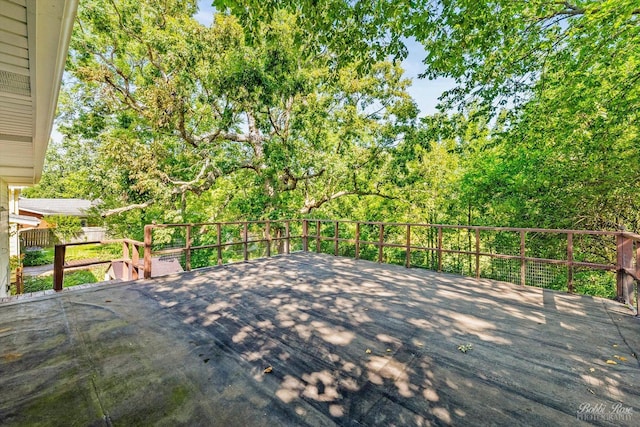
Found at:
(125, 262)
(125, 250)
(58, 267)
(637, 278)
(357, 240)
(187, 254)
(135, 260)
(336, 232)
(245, 238)
(439, 250)
(318, 245)
(287, 237)
(380, 242)
(219, 242)
(624, 281)
(477, 253)
(570, 262)
(407, 254)
(148, 230)
(267, 232)
(523, 263)
(305, 235)
(19, 281)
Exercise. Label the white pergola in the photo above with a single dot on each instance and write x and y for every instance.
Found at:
(34, 40)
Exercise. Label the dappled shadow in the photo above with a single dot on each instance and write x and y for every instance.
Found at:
(363, 344)
(309, 339)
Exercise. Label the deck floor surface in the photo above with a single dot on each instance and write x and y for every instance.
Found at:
(347, 342)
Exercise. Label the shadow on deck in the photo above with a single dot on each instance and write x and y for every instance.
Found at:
(349, 343)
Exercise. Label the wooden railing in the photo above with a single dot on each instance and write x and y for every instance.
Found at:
(521, 255)
(628, 268)
(217, 237)
(623, 244)
(130, 258)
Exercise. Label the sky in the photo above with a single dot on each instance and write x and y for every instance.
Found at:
(424, 92)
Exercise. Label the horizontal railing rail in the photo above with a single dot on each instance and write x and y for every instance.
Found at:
(216, 236)
(131, 250)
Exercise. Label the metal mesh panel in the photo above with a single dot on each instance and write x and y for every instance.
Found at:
(506, 270)
(543, 275)
(206, 234)
(369, 252)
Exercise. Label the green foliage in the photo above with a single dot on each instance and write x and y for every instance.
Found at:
(36, 256)
(272, 113)
(15, 262)
(64, 227)
(101, 252)
(44, 283)
(250, 119)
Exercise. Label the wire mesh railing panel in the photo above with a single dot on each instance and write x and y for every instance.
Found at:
(456, 264)
(544, 275)
(201, 258)
(369, 232)
(169, 238)
(424, 236)
(326, 247)
(505, 270)
(369, 252)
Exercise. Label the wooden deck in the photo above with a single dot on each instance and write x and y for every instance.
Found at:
(347, 342)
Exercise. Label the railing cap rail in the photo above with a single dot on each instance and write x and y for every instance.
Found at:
(404, 224)
(103, 242)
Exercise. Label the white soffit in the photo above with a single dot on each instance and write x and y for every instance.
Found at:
(34, 40)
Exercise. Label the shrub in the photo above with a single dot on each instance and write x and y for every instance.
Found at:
(43, 283)
(64, 227)
(36, 256)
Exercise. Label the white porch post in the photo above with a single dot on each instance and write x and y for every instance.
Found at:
(14, 238)
(5, 274)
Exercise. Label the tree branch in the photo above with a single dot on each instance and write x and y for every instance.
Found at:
(312, 204)
(128, 208)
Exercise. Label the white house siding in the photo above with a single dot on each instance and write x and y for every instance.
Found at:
(4, 239)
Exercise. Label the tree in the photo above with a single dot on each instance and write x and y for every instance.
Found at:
(64, 227)
(566, 72)
(263, 122)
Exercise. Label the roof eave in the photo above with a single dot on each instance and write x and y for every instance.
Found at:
(48, 48)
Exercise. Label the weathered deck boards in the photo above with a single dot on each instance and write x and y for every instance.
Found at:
(191, 349)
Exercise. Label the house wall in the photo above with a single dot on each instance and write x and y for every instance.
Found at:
(4, 239)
